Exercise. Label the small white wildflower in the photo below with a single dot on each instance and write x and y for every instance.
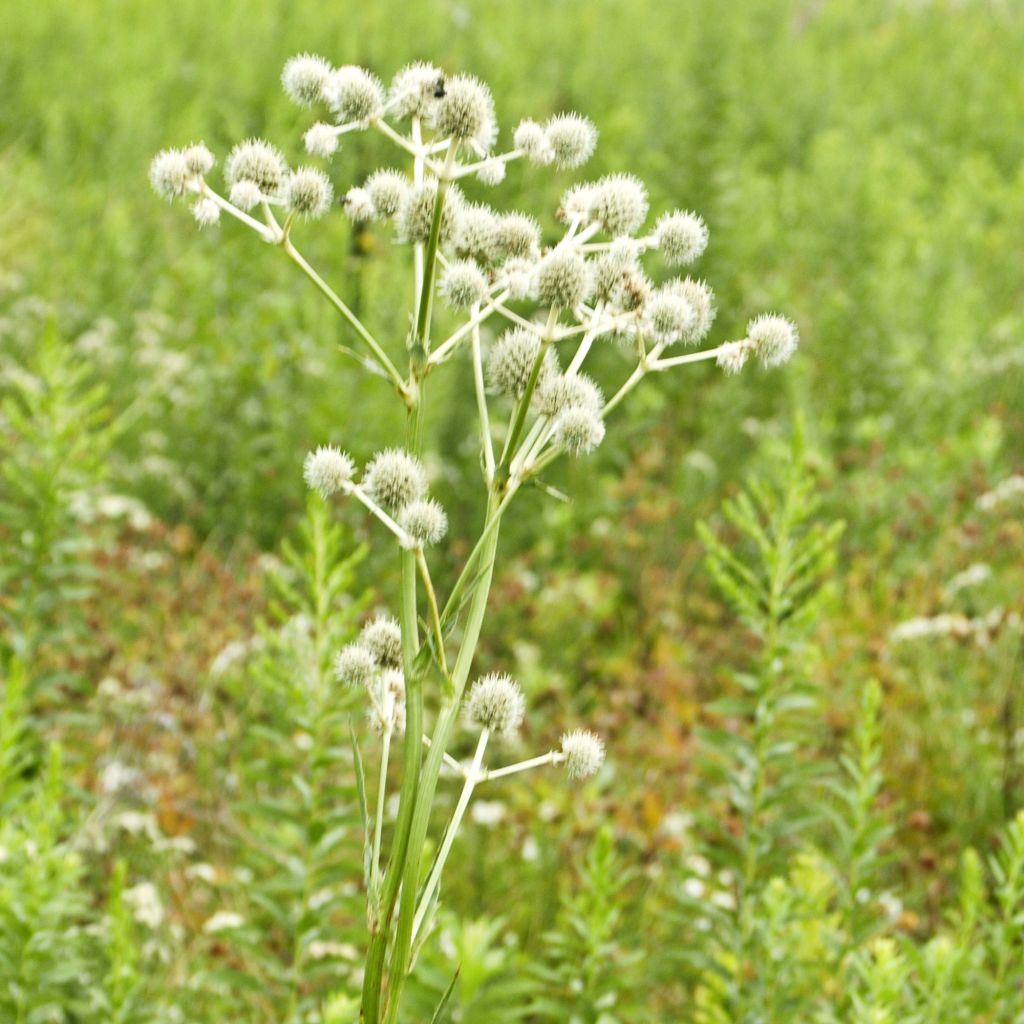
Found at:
(972, 576)
(584, 753)
(681, 236)
(511, 361)
(488, 813)
(1008, 489)
(558, 393)
(326, 950)
(327, 470)
(321, 140)
(305, 79)
(578, 430)
(206, 212)
(619, 204)
(355, 665)
(723, 899)
(531, 850)
(117, 776)
(386, 188)
(957, 626)
(145, 903)
(169, 173)
(774, 338)
(415, 89)
(694, 888)
(516, 235)
(424, 520)
(563, 279)
(223, 921)
(492, 172)
(699, 865)
(198, 159)
(496, 702)
(394, 478)
(463, 284)
(259, 162)
(354, 94)
(382, 637)
(465, 111)
(202, 872)
(307, 191)
(572, 139)
(359, 205)
(245, 195)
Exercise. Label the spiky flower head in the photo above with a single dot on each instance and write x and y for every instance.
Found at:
(198, 159)
(700, 297)
(425, 521)
(386, 188)
(584, 753)
(259, 162)
(387, 705)
(733, 356)
(668, 316)
(511, 362)
(577, 203)
(415, 89)
(354, 665)
(245, 194)
(382, 637)
(359, 205)
(532, 141)
(518, 276)
(206, 212)
(492, 172)
(307, 191)
(463, 284)
(612, 269)
(466, 111)
(516, 235)
(327, 470)
(619, 204)
(578, 430)
(561, 392)
(169, 173)
(476, 231)
(496, 702)
(681, 236)
(321, 140)
(416, 212)
(774, 338)
(572, 138)
(394, 478)
(305, 79)
(354, 94)
(562, 278)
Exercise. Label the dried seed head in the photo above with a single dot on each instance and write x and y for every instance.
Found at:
(382, 637)
(511, 362)
(327, 470)
(619, 204)
(733, 356)
(774, 339)
(169, 173)
(198, 159)
(584, 753)
(354, 665)
(532, 141)
(245, 194)
(259, 162)
(425, 521)
(496, 702)
(414, 90)
(206, 212)
(668, 316)
(476, 231)
(463, 284)
(578, 430)
(307, 191)
(516, 235)
(559, 393)
(359, 205)
(354, 94)
(702, 300)
(466, 112)
(394, 478)
(305, 79)
(563, 279)
(386, 189)
(321, 140)
(416, 212)
(681, 236)
(572, 138)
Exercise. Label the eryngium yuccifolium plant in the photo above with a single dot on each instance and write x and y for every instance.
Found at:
(529, 311)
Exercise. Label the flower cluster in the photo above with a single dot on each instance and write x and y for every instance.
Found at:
(374, 663)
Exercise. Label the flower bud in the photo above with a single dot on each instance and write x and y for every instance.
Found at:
(259, 162)
(305, 79)
(578, 430)
(572, 139)
(563, 279)
(463, 284)
(394, 478)
(681, 236)
(584, 753)
(354, 665)
(307, 191)
(327, 470)
(425, 521)
(774, 339)
(354, 94)
(496, 702)
(619, 204)
(382, 637)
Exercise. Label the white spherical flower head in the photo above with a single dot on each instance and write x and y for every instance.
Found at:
(245, 194)
(169, 173)
(517, 275)
(354, 94)
(702, 300)
(305, 79)
(259, 162)
(386, 188)
(584, 753)
(321, 140)
(382, 637)
(532, 141)
(669, 317)
(327, 470)
(465, 111)
(463, 284)
(572, 139)
(308, 192)
(206, 212)
(559, 393)
(563, 279)
(415, 89)
(394, 478)
(619, 204)
(492, 172)
(425, 521)
(681, 236)
(516, 236)
(577, 204)
(774, 338)
(511, 362)
(198, 159)
(733, 356)
(416, 212)
(578, 430)
(496, 702)
(354, 665)
(476, 231)
(359, 206)
(613, 269)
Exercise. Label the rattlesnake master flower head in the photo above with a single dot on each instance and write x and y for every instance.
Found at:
(517, 275)
(305, 79)
(492, 172)
(414, 90)
(463, 284)
(307, 191)
(382, 637)
(579, 430)
(425, 521)
(475, 234)
(560, 392)
(354, 94)
(733, 356)
(321, 140)
(619, 204)
(668, 316)
(394, 478)
(466, 112)
(774, 339)
(532, 141)
(700, 297)
(386, 188)
(354, 665)
(259, 162)
(198, 159)
(516, 235)
(359, 205)
(206, 212)
(584, 753)
(416, 212)
(169, 173)
(563, 278)
(327, 470)
(572, 139)
(511, 362)
(577, 203)
(681, 236)
(245, 194)
(496, 702)
(613, 269)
